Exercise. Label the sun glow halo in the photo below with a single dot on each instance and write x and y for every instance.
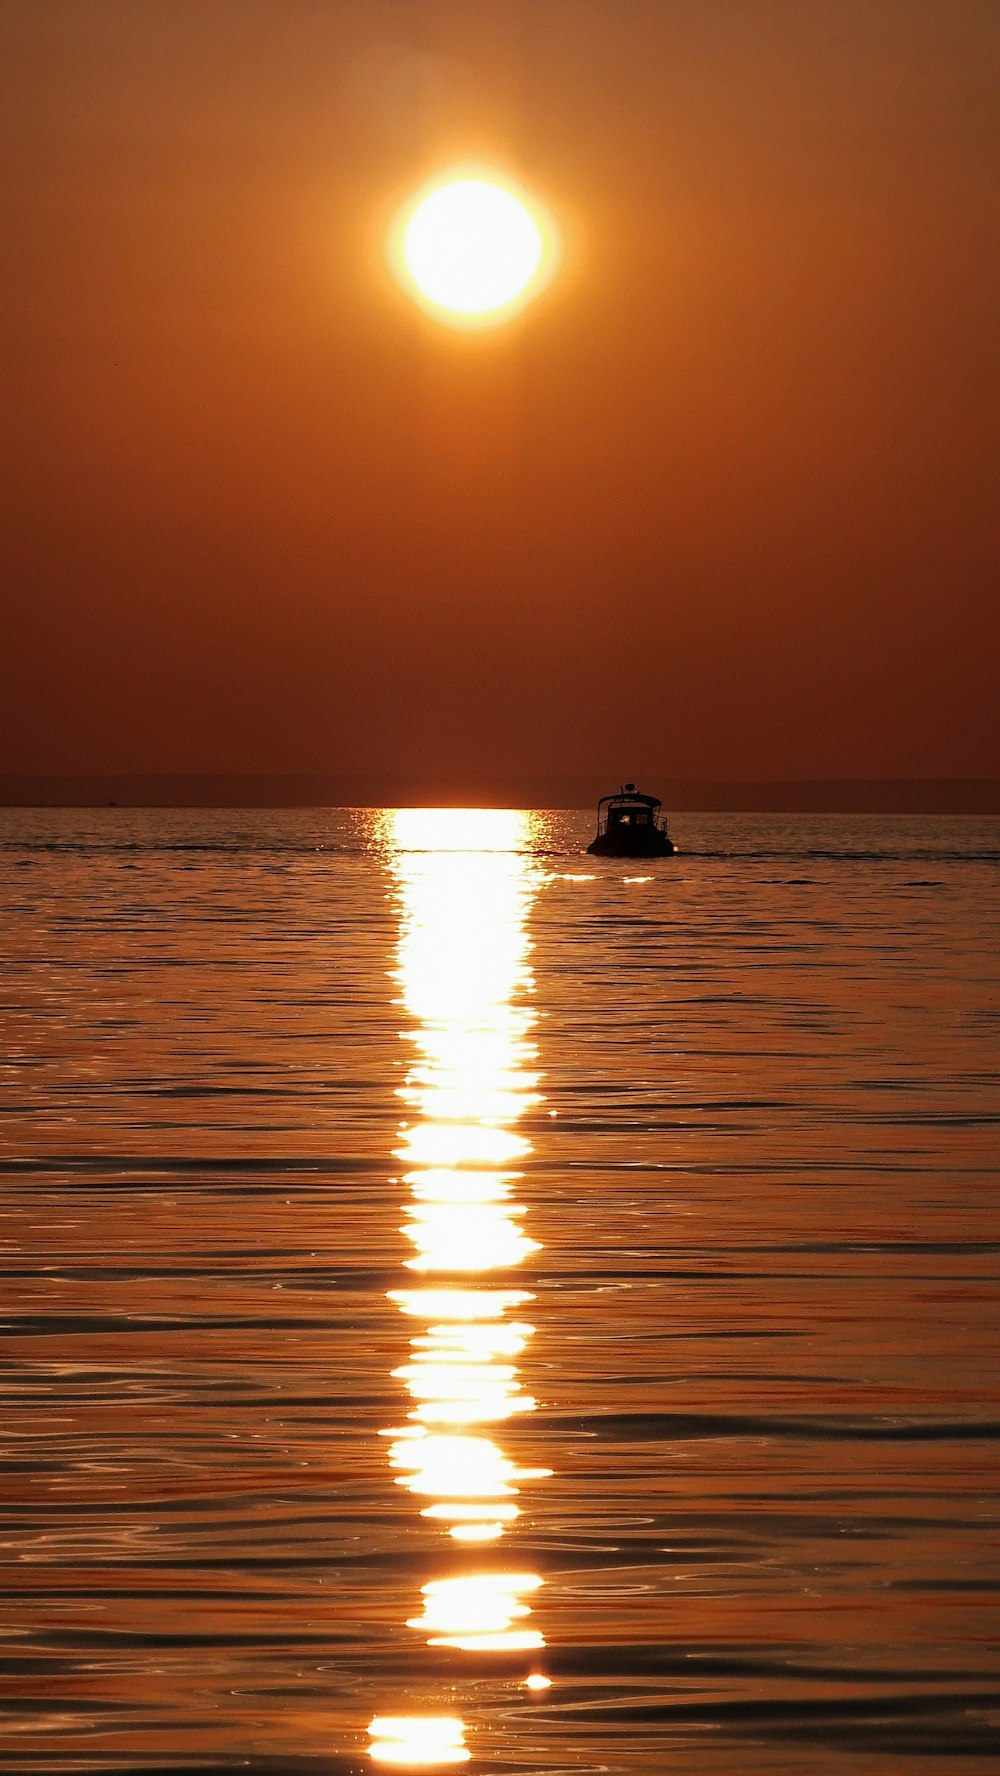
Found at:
(472, 248)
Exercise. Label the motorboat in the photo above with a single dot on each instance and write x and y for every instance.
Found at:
(629, 824)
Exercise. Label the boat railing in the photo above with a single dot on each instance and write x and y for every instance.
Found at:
(658, 822)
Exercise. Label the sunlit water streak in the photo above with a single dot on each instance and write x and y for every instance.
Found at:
(747, 1316)
(465, 883)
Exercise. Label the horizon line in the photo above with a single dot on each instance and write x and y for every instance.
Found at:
(553, 790)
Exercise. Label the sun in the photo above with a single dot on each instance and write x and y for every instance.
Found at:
(472, 248)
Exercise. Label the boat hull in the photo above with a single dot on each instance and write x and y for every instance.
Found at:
(637, 844)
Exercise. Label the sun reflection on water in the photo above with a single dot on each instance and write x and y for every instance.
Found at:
(477, 1612)
(418, 1741)
(465, 880)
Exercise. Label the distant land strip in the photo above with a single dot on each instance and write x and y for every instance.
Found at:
(962, 795)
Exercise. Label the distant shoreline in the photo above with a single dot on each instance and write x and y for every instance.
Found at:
(815, 796)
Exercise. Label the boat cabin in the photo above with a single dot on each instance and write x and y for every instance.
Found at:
(629, 808)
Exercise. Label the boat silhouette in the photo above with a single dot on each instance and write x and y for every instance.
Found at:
(629, 824)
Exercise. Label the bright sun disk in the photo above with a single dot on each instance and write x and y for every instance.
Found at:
(472, 248)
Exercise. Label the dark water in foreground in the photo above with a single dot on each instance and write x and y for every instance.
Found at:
(435, 1262)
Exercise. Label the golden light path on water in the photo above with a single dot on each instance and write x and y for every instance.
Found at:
(465, 880)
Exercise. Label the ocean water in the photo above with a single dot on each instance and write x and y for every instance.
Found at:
(470, 1305)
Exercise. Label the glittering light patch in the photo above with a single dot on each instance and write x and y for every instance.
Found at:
(479, 1612)
(418, 1741)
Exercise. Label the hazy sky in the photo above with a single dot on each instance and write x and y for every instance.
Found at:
(723, 502)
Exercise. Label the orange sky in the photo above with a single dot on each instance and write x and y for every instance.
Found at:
(723, 502)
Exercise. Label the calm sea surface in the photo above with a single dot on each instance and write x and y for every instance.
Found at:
(468, 1303)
